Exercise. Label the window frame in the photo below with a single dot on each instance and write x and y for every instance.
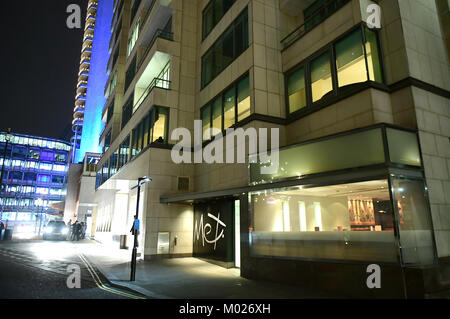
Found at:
(336, 91)
(235, 87)
(211, 6)
(211, 50)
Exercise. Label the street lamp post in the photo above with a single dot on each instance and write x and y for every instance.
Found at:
(7, 139)
(135, 229)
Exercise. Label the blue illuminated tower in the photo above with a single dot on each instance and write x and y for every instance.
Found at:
(89, 101)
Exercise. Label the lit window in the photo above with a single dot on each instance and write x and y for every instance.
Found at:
(217, 114)
(134, 37)
(45, 167)
(350, 62)
(206, 120)
(59, 168)
(297, 90)
(159, 128)
(42, 191)
(321, 82)
(244, 98)
(229, 108)
(373, 56)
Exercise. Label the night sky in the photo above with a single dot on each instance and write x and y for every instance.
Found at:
(40, 62)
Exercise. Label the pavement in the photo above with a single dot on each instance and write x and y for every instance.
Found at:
(36, 269)
(187, 278)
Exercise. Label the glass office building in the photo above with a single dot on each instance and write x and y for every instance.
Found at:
(34, 180)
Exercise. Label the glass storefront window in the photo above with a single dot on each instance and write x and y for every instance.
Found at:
(321, 81)
(297, 90)
(338, 222)
(244, 98)
(355, 150)
(414, 221)
(350, 61)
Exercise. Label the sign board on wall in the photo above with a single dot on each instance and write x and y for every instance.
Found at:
(213, 230)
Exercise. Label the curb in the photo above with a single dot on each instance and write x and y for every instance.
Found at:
(125, 285)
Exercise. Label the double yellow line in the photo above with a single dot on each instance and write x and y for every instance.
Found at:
(100, 284)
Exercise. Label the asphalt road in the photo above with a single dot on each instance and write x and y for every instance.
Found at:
(39, 270)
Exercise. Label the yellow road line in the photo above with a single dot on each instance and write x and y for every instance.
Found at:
(100, 284)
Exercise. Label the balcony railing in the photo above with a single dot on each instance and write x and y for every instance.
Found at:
(317, 17)
(157, 82)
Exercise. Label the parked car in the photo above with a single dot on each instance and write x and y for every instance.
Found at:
(56, 230)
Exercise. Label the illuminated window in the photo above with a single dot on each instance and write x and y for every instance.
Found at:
(326, 222)
(160, 126)
(244, 98)
(297, 90)
(34, 154)
(229, 107)
(321, 81)
(59, 168)
(206, 120)
(356, 62)
(134, 37)
(45, 167)
(373, 56)
(217, 114)
(44, 178)
(350, 61)
(60, 157)
(42, 190)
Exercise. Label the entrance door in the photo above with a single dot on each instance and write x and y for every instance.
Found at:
(214, 232)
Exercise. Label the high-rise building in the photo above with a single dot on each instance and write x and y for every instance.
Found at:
(34, 184)
(89, 100)
(363, 120)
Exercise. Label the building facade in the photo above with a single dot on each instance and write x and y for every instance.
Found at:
(34, 180)
(363, 121)
(89, 100)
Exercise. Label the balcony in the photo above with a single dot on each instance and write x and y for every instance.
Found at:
(315, 18)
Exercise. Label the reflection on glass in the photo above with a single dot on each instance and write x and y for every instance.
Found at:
(321, 81)
(351, 65)
(296, 90)
(348, 221)
(414, 220)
